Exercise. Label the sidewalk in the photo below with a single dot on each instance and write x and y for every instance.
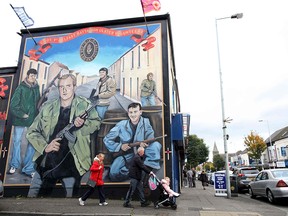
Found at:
(192, 202)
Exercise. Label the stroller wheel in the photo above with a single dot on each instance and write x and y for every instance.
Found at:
(156, 205)
(174, 207)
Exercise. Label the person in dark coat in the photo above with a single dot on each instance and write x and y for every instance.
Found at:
(96, 176)
(204, 179)
(135, 174)
(193, 177)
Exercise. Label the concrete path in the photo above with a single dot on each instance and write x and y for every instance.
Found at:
(192, 202)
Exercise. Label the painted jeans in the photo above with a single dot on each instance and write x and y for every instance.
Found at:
(148, 100)
(28, 165)
(118, 170)
(101, 110)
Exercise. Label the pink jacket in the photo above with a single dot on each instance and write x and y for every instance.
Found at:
(168, 189)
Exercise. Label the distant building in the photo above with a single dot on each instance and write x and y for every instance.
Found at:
(216, 152)
(278, 148)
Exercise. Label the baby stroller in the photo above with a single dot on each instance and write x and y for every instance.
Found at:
(164, 199)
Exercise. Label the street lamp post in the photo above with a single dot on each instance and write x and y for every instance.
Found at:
(271, 157)
(224, 120)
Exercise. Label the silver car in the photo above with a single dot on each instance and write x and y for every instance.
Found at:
(244, 176)
(270, 183)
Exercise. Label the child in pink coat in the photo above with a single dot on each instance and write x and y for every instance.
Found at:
(166, 184)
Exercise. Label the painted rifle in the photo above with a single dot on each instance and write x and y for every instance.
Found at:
(66, 132)
(43, 98)
(135, 144)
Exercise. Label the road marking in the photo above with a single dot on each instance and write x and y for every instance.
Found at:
(220, 213)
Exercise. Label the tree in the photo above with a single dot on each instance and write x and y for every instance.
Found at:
(197, 151)
(209, 166)
(255, 146)
(218, 162)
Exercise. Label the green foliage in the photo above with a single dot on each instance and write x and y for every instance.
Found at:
(197, 151)
(218, 162)
(208, 166)
(255, 145)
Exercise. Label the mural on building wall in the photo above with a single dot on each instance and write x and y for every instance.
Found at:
(82, 92)
(5, 93)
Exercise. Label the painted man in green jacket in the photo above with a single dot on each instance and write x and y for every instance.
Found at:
(66, 161)
(148, 91)
(23, 108)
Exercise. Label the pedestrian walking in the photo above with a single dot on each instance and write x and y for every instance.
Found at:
(189, 176)
(204, 179)
(135, 174)
(193, 177)
(185, 178)
(95, 181)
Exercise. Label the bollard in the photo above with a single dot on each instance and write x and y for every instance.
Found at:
(234, 185)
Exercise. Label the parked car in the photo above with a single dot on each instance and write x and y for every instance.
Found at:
(270, 183)
(198, 175)
(211, 178)
(209, 175)
(244, 175)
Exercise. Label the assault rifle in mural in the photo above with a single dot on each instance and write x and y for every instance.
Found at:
(43, 98)
(45, 168)
(156, 96)
(135, 144)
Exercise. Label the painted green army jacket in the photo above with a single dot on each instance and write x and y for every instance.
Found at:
(39, 133)
(148, 87)
(24, 101)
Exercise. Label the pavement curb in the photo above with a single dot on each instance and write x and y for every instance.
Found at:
(7, 213)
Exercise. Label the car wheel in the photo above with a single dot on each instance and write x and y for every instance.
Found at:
(270, 196)
(251, 193)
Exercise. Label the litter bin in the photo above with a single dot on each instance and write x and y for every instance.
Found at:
(234, 185)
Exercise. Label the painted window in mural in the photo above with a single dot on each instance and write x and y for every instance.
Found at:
(82, 92)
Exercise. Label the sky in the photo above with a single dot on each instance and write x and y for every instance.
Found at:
(253, 53)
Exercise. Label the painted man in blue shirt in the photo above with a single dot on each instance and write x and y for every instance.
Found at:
(126, 132)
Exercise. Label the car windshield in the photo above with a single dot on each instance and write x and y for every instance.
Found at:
(280, 173)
